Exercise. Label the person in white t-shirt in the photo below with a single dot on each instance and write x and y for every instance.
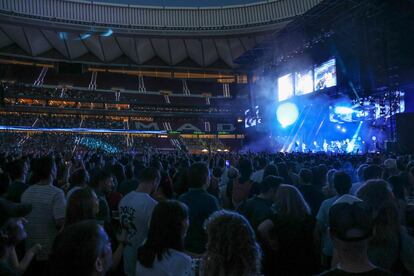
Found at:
(135, 211)
(162, 253)
(48, 211)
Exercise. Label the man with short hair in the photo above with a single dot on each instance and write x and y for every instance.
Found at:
(200, 205)
(257, 176)
(102, 183)
(350, 227)
(18, 172)
(369, 172)
(12, 232)
(135, 211)
(259, 208)
(342, 184)
(48, 211)
(310, 192)
(82, 248)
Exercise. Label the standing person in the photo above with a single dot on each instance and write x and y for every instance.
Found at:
(102, 184)
(78, 180)
(289, 235)
(242, 188)
(259, 207)
(135, 211)
(83, 205)
(232, 249)
(200, 204)
(163, 251)
(48, 211)
(257, 176)
(342, 184)
(83, 249)
(350, 227)
(391, 247)
(18, 172)
(12, 232)
(310, 192)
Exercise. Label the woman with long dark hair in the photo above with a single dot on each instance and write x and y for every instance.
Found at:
(83, 205)
(288, 235)
(163, 251)
(391, 247)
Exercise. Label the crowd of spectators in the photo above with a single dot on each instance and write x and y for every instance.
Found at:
(96, 213)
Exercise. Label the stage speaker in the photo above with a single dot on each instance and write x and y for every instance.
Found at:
(405, 132)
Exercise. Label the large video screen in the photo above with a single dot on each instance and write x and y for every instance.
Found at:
(303, 82)
(252, 117)
(285, 87)
(325, 75)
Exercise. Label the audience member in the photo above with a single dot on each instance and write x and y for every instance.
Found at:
(82, 248)
(163, 251)
(259, 208)
(200, 205)
(48, 211)
(12, 232)
(232, 249)
(18, 171)
(390, 247)
(350, 227)
(135, 211)
(79, 179)
(289, 235)
(310, 192)
(102, 184)
(342, 185)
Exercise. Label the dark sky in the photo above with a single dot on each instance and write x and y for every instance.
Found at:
(182, 3)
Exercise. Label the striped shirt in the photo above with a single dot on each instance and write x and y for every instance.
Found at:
(48, 205)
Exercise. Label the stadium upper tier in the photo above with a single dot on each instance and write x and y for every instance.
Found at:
(147, 36)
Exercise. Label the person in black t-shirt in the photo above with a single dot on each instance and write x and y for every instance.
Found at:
(259, 208)
(350, 227)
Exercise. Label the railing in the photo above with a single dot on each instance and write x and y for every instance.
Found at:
(158, 18)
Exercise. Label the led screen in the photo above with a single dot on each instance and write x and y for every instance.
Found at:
(252, 117)
(325, 75)
(303, 82)
(285, 87)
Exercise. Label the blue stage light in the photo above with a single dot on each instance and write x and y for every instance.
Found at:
(287, 114)
(343, 130)
(343, 110)
(374, 138)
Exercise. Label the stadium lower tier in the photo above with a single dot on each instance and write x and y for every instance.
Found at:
(41, 141)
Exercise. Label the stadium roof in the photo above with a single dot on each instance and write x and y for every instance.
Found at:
(153, 37)
(182, 3)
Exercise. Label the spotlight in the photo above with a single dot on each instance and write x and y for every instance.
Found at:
(343, 130)
(338, 127)
(343, 110)
(287, 114)
(374, 138)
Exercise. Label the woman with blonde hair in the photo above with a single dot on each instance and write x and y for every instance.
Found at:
(232, 249)
(288, 235)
